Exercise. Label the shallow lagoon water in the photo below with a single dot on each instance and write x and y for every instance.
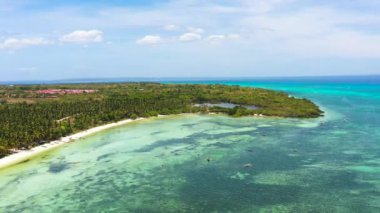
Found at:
(198, 163)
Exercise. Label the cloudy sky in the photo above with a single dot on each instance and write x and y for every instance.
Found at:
(55, 39)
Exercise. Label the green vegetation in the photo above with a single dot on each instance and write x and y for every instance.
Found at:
(29, 118)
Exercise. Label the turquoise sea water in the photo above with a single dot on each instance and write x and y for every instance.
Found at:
(194, 163)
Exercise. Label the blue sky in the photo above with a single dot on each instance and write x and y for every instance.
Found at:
(55, 39)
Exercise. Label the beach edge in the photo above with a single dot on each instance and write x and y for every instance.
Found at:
(23, 155)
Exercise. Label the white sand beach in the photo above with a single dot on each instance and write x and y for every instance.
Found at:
(23, 155)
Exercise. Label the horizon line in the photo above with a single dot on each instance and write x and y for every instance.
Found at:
(157, 79)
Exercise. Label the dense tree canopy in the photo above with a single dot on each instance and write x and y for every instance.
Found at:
(29, 117)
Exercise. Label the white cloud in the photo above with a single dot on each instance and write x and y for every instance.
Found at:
(272, 25)
(263, 6)
(150, 39)
(82, 36)
(193, 34)
(15, 43)
(171, 27)
(220, 38)
(190, 37)
(233, 36)
(216, 38)
(316, 32)
(346, 44)
(195, 30)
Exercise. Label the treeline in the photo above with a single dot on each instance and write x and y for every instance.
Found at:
(24, 125)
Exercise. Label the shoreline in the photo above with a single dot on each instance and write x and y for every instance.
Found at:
(23, 155)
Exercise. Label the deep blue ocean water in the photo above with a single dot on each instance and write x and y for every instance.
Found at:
(197, 163)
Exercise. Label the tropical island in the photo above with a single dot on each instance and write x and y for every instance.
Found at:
(32, 115)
